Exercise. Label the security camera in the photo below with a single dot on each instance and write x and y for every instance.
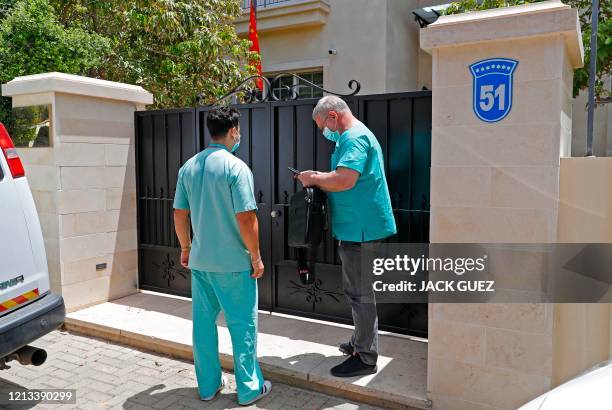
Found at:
(332, 51)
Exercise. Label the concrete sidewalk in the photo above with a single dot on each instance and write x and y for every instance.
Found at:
(293, 351)
(110, 376)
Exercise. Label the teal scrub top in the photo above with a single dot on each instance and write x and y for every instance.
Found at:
(362, 213)
(214, 186)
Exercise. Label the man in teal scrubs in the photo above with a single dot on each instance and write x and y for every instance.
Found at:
(360, 212)
(214, 193)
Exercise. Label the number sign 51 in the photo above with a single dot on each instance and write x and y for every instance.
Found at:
(492, 92)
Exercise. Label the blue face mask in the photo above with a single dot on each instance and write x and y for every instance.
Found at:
(333, 136)
(236, 145)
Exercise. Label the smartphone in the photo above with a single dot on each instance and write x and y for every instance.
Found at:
(295, 171)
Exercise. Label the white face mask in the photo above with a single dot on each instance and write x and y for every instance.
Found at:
(333, 136)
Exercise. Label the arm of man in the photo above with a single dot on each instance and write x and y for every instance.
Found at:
(342, 179)
(182, 223)
(244, 208)
(353, 155)
(249, 231)
(182, 227)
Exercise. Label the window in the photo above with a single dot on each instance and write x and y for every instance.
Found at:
(279, 87)
(284, 86)
(30, 126)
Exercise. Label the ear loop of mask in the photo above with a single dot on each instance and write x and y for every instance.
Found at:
(236, 144)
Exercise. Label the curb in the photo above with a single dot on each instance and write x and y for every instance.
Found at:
(273, 373)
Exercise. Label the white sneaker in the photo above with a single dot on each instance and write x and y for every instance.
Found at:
(223, 384)
(266, 388)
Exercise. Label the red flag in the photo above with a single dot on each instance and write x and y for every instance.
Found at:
(255, 41)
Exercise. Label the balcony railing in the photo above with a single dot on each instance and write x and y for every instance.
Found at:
(246, 4)
(283, 14)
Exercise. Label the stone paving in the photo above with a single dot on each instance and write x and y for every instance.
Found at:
(107, 375)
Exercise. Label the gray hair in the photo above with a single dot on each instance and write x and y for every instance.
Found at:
(329, 103)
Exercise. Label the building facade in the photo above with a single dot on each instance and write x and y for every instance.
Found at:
(329, 42)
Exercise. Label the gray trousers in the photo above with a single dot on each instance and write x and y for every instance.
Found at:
(363, 304)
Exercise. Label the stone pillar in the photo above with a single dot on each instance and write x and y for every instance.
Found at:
(84, 183)
(497, 180)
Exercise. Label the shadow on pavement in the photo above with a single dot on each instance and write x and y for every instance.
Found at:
(6, 387)
(179, 398)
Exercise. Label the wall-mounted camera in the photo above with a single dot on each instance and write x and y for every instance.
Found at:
(332, 51)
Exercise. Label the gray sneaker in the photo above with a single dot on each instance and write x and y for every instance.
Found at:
(223, 384)
(265, 389)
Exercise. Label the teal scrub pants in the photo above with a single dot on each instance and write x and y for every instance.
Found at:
(236, 294)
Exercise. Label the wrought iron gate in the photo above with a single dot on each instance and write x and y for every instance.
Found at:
(276, 135)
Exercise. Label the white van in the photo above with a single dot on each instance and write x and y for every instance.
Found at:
(28, 310)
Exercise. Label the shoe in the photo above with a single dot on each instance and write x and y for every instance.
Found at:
(223, 384)
(353, 366)
(265, 389)
(346, 349)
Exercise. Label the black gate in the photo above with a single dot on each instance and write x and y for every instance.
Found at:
(276, 135)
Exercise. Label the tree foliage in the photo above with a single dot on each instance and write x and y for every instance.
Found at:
(604, 46)
(5, 7)
(175, 49)
(604, 36)
(33, 41)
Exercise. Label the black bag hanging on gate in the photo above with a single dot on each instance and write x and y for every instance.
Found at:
(307, 221)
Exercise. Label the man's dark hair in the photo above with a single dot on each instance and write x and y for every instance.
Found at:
(220, 120)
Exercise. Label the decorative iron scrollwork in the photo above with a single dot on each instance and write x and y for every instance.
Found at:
(314, 293)
(170, 269)
(254, 95)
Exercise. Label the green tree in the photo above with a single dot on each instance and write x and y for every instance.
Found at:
(604, 36)
(5, 7)
(175, 49)
(604, 46)
(32, 41)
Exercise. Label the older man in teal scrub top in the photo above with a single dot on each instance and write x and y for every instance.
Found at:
(215, 193)
(360, 212)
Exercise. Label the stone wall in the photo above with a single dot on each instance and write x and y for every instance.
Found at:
(585, 216)
(84, 185)
(498, 183)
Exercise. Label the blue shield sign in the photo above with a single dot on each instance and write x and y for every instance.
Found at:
(492, 91)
